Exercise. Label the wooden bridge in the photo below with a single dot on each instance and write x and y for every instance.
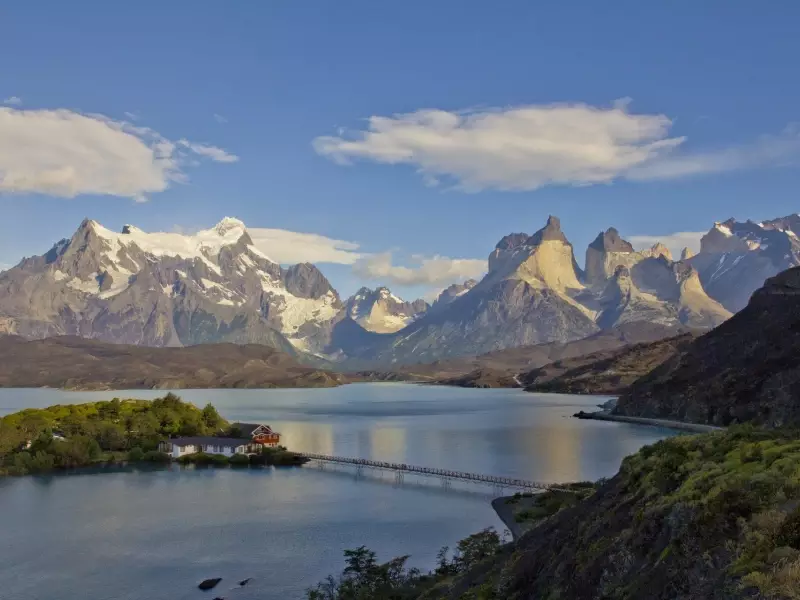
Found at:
(445, 474)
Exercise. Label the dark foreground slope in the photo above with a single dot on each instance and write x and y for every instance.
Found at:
(604, 372)
(747, 369)
(79, 363)
(713, 516)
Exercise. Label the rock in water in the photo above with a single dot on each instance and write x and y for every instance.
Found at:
(244, 582)
(208, 584)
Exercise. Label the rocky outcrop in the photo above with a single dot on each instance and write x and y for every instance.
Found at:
(747, 369)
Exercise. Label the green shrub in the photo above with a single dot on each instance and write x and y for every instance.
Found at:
(219, 460)
(239, 460)
(136, 454)
(156, 457)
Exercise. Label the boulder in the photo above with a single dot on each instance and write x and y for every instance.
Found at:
(208, 584)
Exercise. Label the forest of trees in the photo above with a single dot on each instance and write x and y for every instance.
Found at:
(73, 435)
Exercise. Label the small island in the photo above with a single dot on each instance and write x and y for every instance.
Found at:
(119, 431)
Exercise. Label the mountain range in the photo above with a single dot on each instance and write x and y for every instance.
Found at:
(170, 289)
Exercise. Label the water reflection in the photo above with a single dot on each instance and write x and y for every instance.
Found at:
(156, 533)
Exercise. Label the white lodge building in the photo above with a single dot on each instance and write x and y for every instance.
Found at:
(253, 438)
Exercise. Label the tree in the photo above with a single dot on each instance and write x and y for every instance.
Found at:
(211, 418)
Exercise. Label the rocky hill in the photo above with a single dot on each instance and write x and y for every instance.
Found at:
(747, 369)
(501, 368)
(79, 363)
(604, 372)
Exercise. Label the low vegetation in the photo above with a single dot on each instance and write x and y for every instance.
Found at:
(364, 578)
(705, 516)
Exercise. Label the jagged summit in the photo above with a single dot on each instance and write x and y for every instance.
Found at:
(380, 311)
(551, 231)
(228, 224)
(512, 241)
(610, 241)
(686, 254)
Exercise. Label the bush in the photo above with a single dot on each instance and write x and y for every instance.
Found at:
(239, 460)
(136, 454)
(219, 460)
(156, 457)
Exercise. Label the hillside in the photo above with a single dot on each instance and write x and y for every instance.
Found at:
(605, 372)
(78, 363)
(713, 516)
(497, 369)
(747, 369)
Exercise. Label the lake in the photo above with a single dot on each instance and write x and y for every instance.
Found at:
(155, 534)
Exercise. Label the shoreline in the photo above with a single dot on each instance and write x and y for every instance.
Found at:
(604, 415)
(506, 515)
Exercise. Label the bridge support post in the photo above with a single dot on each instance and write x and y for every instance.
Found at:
(445, 483)
(398, 477)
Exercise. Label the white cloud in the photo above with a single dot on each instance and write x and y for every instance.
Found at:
(430, 271)
(527, 147)
(65, 153)
(212, 152)
(290, 247)
(13, 101)
(220, 118)
(676, 242)
(132, 115)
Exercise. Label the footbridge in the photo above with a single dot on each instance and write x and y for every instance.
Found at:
(445, 474)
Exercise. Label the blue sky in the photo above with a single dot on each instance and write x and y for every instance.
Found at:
(520, 123)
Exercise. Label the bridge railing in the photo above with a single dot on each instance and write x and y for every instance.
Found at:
(446, 473)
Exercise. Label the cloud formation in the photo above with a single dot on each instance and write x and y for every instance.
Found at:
(212, 152)
(291, 247)
(220, 118)
(66, 153)
(676, 242)
(13, 101)
(528, 147)
(429, 271)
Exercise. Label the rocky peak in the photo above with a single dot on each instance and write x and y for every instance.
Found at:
(606, 253)
(659, 249)
(305, 280)
(451, 292)
(512, 241)
(686, 254)
(788, 223)
(610, 241)
(380, 311)
(551, 231)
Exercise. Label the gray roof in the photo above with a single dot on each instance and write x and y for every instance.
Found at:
(208, 440)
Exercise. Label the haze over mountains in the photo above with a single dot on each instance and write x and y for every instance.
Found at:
(169, 289)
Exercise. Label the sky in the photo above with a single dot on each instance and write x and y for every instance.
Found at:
(403, 140)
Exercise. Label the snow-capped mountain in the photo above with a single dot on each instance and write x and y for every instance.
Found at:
(736, 258)
(167, 289)
(380, 311)
(535, 292)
